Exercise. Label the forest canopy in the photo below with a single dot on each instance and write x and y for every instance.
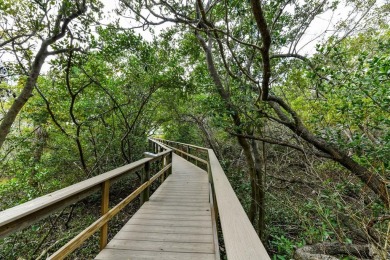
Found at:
(293, 97)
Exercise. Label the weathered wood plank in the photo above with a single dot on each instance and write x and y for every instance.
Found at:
(184, 194)
(173, 212)
(181, 200)
(168, 229)
(147, 255)
(171, 223)
(176, 208)
(184, 190)
(185, 238)
(148, 216)
(161, 246)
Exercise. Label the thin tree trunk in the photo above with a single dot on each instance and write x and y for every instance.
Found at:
(252, 209)
(260, 193)
(40, 141)
(24, 96)
(225, 95)
(60, 29)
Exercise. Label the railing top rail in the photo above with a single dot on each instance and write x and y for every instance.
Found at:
(190, 145)
(187, 154)
(156, 140)
(240, 238)
(12, 219)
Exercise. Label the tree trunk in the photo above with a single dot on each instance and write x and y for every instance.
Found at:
(252, 208)
(260, 192)
(243, 142)
(60, 28)
(24, 96)
(40, 141)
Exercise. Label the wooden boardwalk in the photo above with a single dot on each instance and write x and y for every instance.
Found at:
(175, 223)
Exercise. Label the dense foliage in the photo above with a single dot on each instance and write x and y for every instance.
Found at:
(304, 138)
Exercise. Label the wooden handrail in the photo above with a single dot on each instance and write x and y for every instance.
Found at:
(240, 238)
(26, 214)
(190, 145)
(169, 144)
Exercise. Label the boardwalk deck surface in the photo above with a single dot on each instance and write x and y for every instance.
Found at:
(175, 223)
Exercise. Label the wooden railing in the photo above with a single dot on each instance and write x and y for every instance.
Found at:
(26, 214)
(240, 238)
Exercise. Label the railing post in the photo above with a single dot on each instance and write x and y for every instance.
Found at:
(144, 178)
(104, 210)
(164, 163)
(212, 194)
(169, 172)
(209, 173)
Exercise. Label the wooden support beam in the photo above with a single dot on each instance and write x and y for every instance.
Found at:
(170, 156)
(209, 173)
(104, 210)
(144, 178)
(164, 163)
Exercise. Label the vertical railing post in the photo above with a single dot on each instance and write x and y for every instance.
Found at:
(164, 163)
(104, 210)
(169, 172)
(144, 178)
(209, 173)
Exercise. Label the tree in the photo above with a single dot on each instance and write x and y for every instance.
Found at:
(249, 50)
(53, 24)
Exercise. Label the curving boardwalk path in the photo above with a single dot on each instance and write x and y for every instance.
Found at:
(175, 223)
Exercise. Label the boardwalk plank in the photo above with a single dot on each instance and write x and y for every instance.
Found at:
(147, 255)
(170, 223)
(161, 237)
(177, 208)
(176, 213)
(168, 230)
(162, 246)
